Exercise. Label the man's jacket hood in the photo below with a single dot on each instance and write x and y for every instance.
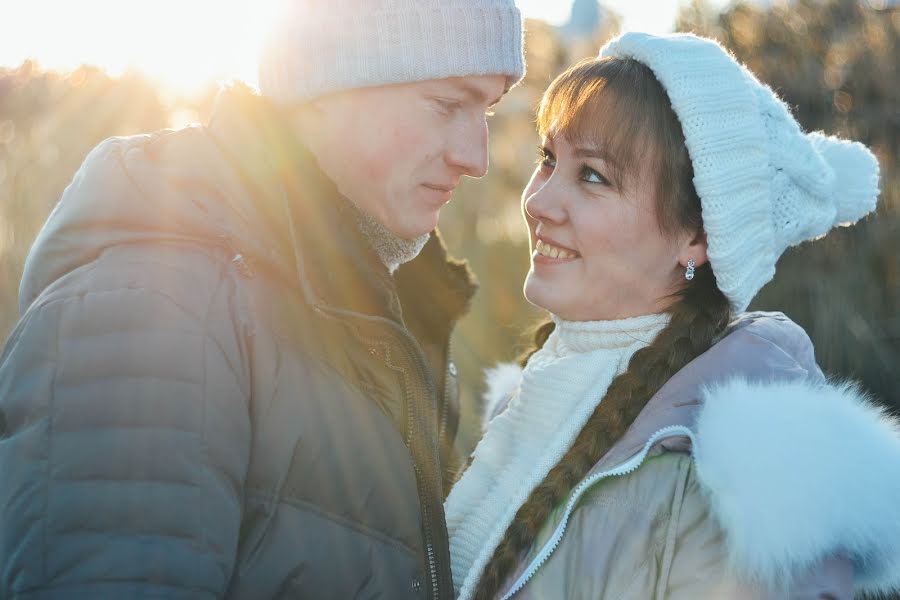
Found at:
(141, 189)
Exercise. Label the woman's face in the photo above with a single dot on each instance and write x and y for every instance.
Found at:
(597, 251)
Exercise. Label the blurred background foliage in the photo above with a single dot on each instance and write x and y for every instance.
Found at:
(833, 61)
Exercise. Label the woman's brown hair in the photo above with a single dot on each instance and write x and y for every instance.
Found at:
(619, 106)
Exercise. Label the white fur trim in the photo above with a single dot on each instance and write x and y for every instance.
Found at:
(501, 381)
(796, 473)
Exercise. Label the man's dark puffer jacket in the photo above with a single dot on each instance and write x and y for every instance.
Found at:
(216, 389)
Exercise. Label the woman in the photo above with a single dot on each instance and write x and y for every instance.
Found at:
(660, 442)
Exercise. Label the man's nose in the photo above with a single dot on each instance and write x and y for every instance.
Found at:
(468, 151)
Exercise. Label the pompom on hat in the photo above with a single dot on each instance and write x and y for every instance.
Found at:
(764, 184)
(325, 46)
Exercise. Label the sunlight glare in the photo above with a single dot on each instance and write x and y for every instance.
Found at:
(184, 45)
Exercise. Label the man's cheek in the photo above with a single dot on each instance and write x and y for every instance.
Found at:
(379, 168)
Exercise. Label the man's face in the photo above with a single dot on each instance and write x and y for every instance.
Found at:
(398, 151)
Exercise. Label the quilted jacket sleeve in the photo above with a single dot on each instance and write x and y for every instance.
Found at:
(124, 435)
(697, 559)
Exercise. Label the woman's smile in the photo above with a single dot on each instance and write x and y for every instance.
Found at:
(550, 252)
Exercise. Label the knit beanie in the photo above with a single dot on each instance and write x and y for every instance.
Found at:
(325, 46)
(764, 184)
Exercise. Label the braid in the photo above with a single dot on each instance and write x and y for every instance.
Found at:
(541, 333)
(700, 313)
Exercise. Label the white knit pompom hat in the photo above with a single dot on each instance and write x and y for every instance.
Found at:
(764, 184)
(325, 46)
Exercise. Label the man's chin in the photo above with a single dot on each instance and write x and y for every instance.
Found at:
(413, 229)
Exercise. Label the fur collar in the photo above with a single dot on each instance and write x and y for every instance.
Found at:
(501, 381)
(795, 472)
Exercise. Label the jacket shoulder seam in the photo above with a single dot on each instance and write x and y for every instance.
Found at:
(781, 351)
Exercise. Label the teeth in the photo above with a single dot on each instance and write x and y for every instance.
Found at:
(549, 251)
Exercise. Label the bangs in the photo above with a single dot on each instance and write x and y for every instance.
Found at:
(603, 104)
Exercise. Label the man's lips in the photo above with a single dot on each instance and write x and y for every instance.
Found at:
(441, 187)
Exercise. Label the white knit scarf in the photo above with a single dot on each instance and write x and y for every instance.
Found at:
(560, 388)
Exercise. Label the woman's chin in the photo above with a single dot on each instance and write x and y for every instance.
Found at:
(540, 294)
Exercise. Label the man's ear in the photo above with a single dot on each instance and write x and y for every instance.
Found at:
(314, 106)
(307, 112)
(307, 119)
(694, 248)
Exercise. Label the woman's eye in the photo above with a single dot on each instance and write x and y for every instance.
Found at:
(546, 158)
(591, 176)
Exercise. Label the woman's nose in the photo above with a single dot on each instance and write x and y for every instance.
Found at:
(543, 202)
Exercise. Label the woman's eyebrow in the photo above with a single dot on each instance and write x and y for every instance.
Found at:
(589, 152)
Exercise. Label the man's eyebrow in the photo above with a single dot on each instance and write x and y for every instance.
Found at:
(474, 94)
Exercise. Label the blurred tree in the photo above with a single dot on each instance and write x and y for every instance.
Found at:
(48, 123)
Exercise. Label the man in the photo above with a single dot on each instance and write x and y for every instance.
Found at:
(230, 378)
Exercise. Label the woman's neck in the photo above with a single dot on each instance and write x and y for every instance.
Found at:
(572, 337)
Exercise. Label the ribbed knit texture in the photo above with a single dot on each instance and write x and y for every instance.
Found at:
(392, 249)
(764, 184)
(325, 46)
(560, 388)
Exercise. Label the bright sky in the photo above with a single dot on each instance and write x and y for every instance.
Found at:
(652, 16)
(186, 43)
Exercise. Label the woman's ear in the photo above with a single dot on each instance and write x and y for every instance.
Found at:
(694, 248)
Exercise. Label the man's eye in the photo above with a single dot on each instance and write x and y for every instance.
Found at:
(447, 105)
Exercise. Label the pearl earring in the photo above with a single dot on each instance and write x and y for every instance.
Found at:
(689, 273)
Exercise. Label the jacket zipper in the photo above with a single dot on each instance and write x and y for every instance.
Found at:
(445, 407)
(629, 466)
(423, 495)
(419, 360)
(413, 442)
